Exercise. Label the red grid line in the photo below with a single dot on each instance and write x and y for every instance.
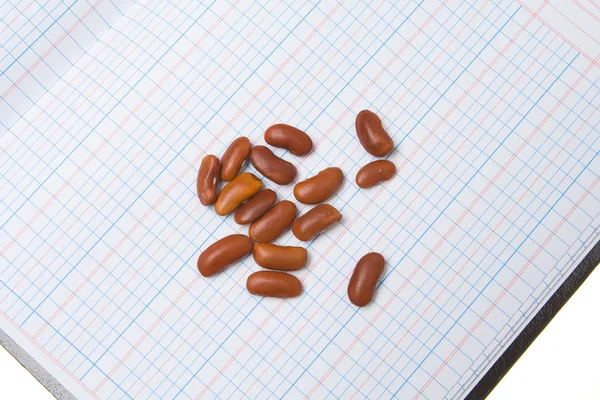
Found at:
(541, 247)
(39, 60)
(563, 37)
(454, 107)
(481, 245)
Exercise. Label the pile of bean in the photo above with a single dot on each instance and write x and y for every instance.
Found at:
(269, 219)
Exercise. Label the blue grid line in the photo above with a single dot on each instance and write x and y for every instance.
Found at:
(522, 242)
(447, 146)
(436, 218)
(296, 380)
(564, 70)
(564, 193)
(54, 21)
(50, 93)
(429, 109)
(109, 118)
(50, 116)
(70, 153)
(57, 332)
(42, 81)
(533, 36)
(146, 306)
(91, 309)
(429, 153)
(465, 281)
(14, 33)
(34, 77)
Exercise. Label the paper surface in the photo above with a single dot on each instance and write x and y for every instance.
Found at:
(40, 42)
(494, 111)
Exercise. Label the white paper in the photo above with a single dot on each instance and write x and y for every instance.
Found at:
(494, 112)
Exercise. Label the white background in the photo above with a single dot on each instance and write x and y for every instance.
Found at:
(561, 364)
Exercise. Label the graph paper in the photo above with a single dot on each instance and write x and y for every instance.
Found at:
(39, 41)
(492, 105)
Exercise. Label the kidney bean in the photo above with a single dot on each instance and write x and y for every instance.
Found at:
(320, 187)
(287, 137)
(371, 134)
(281, 258)
(374, 173)
(234, 157)
(364, 279)
(274, 284)
(222, 253)
(208, 179)
(236, 192)
(276, 221)
(256, 207)
(315, 221)
(272, 167)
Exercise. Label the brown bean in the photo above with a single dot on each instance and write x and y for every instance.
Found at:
(271, 225)
(272, 167)
(287, 137)
(364, 279)
(208, 179)
(234, 157)
(222, 253)
(374, 173)
(281, 258)
(315, 221)
(236, 192)
(320, 187)
(256, 207)
(371, 134)
(273, 284)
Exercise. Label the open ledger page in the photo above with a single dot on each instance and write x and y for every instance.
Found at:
(493, 107)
